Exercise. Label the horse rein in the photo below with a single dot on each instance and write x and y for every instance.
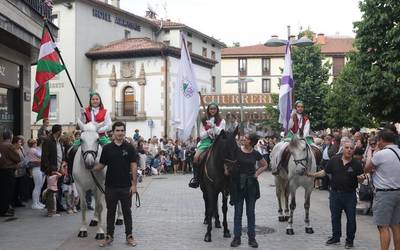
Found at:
(300, 161)
(94, 154)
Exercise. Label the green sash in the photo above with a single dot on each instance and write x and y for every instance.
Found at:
(103, 140)
(205, 144)
(290, 135)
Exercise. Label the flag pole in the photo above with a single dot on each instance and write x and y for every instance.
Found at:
(62, 61)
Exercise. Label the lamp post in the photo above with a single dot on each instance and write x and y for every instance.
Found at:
(286, 98)
(240, 81)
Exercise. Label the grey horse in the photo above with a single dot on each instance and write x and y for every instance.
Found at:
(293, 174)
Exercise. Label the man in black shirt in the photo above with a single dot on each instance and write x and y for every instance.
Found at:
(345, 174)
(120, 158)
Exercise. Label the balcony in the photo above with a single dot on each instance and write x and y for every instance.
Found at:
(40, 7)
(128, 111)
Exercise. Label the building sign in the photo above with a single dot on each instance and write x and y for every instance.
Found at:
(9, 73)
(233, 99)
(106, 16)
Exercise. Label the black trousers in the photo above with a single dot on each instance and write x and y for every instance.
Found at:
(7, 186)
(113, 195)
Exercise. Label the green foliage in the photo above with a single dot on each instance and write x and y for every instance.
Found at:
(311, 76)
(378, 59)
(344, 105)
(273, 113)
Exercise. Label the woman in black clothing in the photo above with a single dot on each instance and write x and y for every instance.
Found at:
(247, 188)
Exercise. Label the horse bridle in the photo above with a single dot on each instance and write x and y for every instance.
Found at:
(301, 161)
(94, 153)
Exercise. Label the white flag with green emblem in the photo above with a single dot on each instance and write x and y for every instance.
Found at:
(186, 100)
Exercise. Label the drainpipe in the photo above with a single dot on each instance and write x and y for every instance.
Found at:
(165, 90)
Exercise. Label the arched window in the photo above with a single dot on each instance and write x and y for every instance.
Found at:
(129, 106)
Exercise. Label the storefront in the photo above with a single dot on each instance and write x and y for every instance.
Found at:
(10, 98)
(253, 106)
(21, 27)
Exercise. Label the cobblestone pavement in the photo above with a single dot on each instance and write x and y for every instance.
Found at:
(171, 217)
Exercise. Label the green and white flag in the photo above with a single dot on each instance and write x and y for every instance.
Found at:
(186, 100)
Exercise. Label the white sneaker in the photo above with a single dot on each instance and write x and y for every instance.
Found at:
(37, 206)
(41, 205)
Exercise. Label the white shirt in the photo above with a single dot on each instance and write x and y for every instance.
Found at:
(216, 130)
(107, 124)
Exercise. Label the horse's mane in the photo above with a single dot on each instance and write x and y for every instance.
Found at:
(89, 127)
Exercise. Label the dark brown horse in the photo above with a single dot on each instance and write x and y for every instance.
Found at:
(216, 167)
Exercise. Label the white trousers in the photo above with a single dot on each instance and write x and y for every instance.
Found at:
(38, 180)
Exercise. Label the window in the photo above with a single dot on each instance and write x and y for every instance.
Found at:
(204, 41)
(129, 102)
(266, 86)
(204, 52)
(189, 46)
(213, 54)
(127, 34)
(266, 66)
(213, 84)
(242, 87)
(167, 42)
(189, 34)
(166, 31)
(338, 64)
(53, 107)
(242, 66)
(55, 20)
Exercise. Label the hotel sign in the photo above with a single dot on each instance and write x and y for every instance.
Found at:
(9, 73)
(106, 16)
(233, 99)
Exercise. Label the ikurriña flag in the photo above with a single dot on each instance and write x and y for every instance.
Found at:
(48, 65)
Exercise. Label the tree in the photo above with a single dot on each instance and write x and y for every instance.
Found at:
(344, 105)
(311, 76)
(273, 115)
(378, 59)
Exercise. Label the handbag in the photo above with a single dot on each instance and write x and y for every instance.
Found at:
(366, 191)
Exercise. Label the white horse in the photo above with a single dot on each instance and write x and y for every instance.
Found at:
(86, 157)
(293, 175)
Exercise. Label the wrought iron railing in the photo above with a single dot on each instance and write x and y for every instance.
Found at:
(126, 108)
(40, 7)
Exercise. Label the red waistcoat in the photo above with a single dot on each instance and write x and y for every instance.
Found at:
(295, 127)
(99, 117)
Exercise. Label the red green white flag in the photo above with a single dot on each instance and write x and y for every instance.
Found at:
(48, 66)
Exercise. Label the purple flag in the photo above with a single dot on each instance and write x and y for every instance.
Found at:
(285, 92)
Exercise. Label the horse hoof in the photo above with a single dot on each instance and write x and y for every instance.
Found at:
(207, 238)
(281, 218)
(227, 234)
(82, 234)
(99, 236)
(309, 230)
(217, 224)
(93, 223)
(119, 222)
(286, 217)
(205, 221)
(289, 231)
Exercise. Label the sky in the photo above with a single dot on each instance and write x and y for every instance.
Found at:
(254, 21)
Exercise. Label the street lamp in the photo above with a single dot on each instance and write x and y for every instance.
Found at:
(240, 81)
(286, 98)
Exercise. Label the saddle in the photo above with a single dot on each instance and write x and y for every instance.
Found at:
(317, 154)
(286, 156)
(285, 159)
